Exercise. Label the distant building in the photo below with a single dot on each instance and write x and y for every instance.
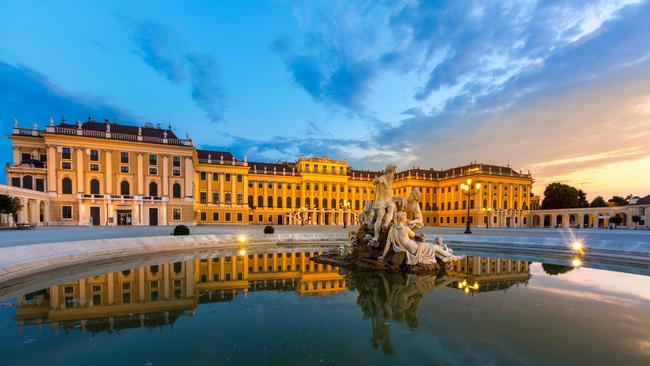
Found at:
(113, 174)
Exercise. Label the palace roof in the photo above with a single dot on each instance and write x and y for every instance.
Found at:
(215, 155)
(643, 200)
(147, 130)
(269, 168)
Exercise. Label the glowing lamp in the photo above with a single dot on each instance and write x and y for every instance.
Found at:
(576, 245)
(576, 262)
(242, 252)
(241, 238)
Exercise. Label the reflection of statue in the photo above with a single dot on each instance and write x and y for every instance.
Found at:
(395, 297)
(400, 239)
(384, 207)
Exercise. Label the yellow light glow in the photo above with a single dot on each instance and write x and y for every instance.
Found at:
(576, 245)
(478, 185)
(242, 252)
(460, 285)
(464, 282)
(467, 290)
(576, 262)
(469, 181)
(475, 285)
(241, 238)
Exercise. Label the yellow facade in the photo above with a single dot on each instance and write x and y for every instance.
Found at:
(120, 174)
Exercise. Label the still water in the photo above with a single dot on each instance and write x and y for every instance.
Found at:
(276, 307)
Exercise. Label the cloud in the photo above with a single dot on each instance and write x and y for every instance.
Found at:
(160, 49)
(30, 97)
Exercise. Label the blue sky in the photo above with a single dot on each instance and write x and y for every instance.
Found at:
(558, 88)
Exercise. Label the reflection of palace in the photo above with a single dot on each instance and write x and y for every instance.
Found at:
(490, 274)
(158, 294)
(114, 174)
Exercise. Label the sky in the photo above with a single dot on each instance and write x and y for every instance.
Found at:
(558, 88)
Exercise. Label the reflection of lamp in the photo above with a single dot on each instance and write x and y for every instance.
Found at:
(467, 288)
(469, 189)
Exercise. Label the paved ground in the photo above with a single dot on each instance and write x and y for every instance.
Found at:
(65, 234)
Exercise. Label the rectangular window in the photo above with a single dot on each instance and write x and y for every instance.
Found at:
(153, 171)
(15, 182)
(94, 155)
(124, 157)
(228, 216)
(240, 178)
(240, 199)
(66, 153)
(215, 197)
(66, 212)
(176, 172)
(94, 167)
(228, 198)
(203, 175)
(204, 216)
(240, 217)
(215, 176)
(124, 168)
(215, 216)
(176, 214)
(204, 197)
(227, 177)
(25, 158)
(40, 185)
(126, 298)
(66, 165)
(153, 159)
(44, 160)
(176, 161)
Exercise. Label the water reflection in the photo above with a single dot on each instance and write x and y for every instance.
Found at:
(159, 294)
(396, 297)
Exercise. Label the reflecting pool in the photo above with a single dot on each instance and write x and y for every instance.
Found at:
(275, 306)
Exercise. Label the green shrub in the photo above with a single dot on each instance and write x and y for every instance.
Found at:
(181, 230)
(269, 229)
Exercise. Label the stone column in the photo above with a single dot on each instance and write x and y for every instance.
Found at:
(82, 292)
(16, 156)
(209, 193)
(140, 190)
(222, 194)
(189, 177)
(109, 172)
(165, 176)
(51, 168)
(82, 212)
(245, 182)
(233, 190)
(80, 170)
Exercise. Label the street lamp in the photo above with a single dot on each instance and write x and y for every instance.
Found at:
(345, 206)
(469, 189)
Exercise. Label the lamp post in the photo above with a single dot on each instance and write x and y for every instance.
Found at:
(469, 189)
(345, 206)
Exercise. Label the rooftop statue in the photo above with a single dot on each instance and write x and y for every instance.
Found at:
(387, 238)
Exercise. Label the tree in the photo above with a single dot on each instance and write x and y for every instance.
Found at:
(556, 269)
(616, 220)
(558, 195)
(617, 201)
(598, 202)
(636, 219)
(9, 205)
(582, 199)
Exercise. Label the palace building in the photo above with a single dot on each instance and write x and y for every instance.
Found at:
(105, 173)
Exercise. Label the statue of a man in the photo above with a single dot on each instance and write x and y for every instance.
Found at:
(413, 212)
(384, 206)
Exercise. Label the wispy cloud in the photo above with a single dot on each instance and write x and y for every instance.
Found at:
(160, 49)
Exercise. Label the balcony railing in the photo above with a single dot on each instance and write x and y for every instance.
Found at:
(110, 135)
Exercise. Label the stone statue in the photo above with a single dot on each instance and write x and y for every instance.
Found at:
(413, 212)
(400, 239)
(366, 217)
(384, 206)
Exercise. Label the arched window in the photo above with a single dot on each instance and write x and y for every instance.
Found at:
(279, 204)
(494, 204)
(341, 203)
(516, 206)
(485, 203)
(297, 202)
(153, 189)
(269, 200)
(288, 202)
(356, 205)
(178, 266)
(505, 204)
(333, 203)
(124, 188)
(66, 186)
(324, 202)
(94, 186)
(251, 201)
(307, 202)
(315, 202)
(28, 182)
(260, 201)
(176, 190)
(524, 206)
